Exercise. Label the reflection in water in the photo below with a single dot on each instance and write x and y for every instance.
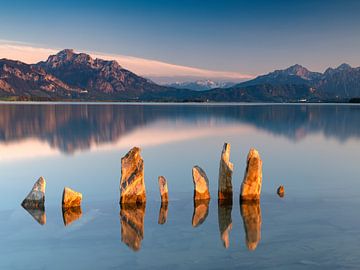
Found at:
(38, 213)
(251, 214)
(70, 214)
(163, 213)
(132, 224)
(225, 221)
(78, 127)
(201, 211)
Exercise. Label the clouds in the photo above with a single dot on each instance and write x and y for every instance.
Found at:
(156, 70)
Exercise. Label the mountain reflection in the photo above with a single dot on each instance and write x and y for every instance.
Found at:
(77, 127)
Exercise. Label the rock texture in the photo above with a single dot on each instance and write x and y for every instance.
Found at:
(251, 214)
(163, 189)
(132, 185)
(251, 185)
(132, 224)
(281, 191)
(36, 197)
(225, 191)
(37, 213)
(71, 198)
(201, 184)
(225, 221)
(71, 214)
(201, 211)
(163, 213)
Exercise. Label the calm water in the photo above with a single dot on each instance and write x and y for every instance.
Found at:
(313, 150)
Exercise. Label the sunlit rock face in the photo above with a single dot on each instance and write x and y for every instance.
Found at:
(225, 221)
(36, 197)
(71, 214)
(163, 213)
(71, 198)
(281, 191)
(201, 184)
(251, 185)
(132, 185)
(225, 191)
(163, 189)
(201, 211)
(251, 214)
(38, 213)
(132, 224)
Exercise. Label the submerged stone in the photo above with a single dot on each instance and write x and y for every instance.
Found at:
(225, 190)
(163, 189)
(281, 191)
(251, 214)
(251, 185)
(71, 198)
(201, 211)
(201, 184)
(36, 197)
(132, 185)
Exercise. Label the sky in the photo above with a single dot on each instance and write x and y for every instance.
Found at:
(229, 40)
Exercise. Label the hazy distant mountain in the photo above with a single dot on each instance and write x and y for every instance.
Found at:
(201, 85)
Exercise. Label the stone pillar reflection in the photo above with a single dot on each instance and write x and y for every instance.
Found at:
(225, 221)
(251, 214)
(70, 214)
(201, 211)
(163, 213)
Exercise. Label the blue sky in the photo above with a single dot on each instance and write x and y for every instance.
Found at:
(251, 37)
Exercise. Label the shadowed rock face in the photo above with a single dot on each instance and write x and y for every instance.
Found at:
(163, 213)
(201, 211)
(225, 191)
(225, 221)
(36, 197)
(251, 185)
(71, 198)
(132, 185)
(71, 214)
(132, 224)
(201, 184)
(38, 213)
(251, 214)
(163, 189)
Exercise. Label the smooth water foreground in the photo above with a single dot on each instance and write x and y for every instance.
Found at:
(313, 150)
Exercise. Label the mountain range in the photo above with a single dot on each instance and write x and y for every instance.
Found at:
(77, 76)
(201, 85)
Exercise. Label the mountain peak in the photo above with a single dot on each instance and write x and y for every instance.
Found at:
(344, 66)
(66, 53)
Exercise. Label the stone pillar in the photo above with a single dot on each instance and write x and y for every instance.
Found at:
(225, 190)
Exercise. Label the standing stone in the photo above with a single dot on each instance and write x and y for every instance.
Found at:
(163, 189)
(251, 214)
(281, 191)
(201, 211)
(71, 198)
(225, 191)
(132, 185)
(201, 184)
(251, 185)
(36, 197)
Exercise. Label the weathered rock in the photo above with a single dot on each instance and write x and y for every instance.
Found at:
(251, 214)
(163, 189)
(281, 191)
(38, 213)
(201, 211)
(163, 213)
(225, 191)
(71, 214)
(225, 221)
(36, 197)
(132, 224)
(251, 185)
(71, 198)
(201, 184)
(132, 185)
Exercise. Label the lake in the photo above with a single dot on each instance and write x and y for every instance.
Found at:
(313, 150)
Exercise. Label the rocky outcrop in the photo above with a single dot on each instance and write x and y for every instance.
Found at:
(201, 211)
(251, 185)
(71, 198)
(163, 213)
(71, 214)
(201, 184)
(251, 214)
(225, 191)
(281, 191)
(132, 224)
(132, 185)
(163, 189)
(225, 221)
(36, 197)
(37, 213)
